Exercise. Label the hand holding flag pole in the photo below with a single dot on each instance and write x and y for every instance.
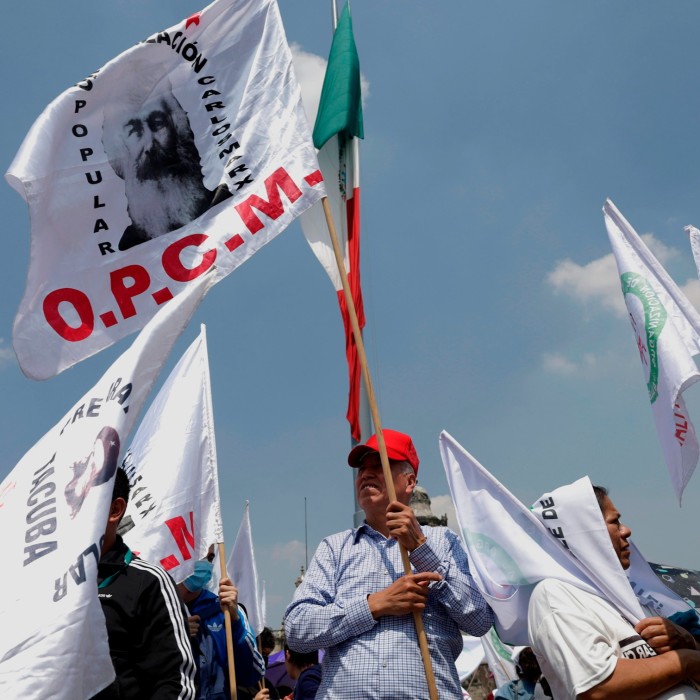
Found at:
(229, 629)
(386, 469)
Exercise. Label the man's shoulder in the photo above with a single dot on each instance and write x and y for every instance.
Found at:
(555, 596)
(440, 532)
(340, 538)
(555, 588)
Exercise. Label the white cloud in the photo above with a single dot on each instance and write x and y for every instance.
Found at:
(598, 281)
(288, 553)
(556, 363)
(7, 354)
(692, 290)
(310, 70)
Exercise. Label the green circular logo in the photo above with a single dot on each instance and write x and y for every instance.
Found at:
(654, 321)
(499, 646)
(500, 566)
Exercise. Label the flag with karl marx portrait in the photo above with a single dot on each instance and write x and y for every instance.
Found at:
(189, 151)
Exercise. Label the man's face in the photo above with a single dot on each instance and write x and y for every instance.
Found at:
(370, 485)
(619, 533)
(151, 139)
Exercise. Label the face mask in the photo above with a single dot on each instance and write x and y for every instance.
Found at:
(200, 578)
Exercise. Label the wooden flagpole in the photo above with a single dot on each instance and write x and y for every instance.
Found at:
(386, 468)
(229, 630)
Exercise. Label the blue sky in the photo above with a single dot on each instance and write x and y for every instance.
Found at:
(494, 133)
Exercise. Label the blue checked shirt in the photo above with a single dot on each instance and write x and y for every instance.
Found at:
(367, 658)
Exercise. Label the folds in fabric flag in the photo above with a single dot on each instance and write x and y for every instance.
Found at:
(243, 571)
(667, 332)
(173, 516)
(509, 549)
(188, 149)
(53, 514)
(338, 125)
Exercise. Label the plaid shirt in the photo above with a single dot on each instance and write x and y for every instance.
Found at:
(367, 658)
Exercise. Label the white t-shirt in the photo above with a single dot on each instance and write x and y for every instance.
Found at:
(578, 638)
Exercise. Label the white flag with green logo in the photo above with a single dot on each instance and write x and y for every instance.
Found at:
(667, 332)
(510, 551)
(562, 536)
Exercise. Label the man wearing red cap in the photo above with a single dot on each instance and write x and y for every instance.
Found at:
(356, 603)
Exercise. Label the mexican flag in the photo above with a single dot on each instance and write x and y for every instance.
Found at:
(337, 128)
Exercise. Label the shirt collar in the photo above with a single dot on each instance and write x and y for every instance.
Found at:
(367, 530)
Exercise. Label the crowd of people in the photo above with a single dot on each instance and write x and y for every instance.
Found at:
(358, 605)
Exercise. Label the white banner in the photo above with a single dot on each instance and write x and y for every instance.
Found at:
(243, 571)
(667, 332)
(173, 516)
(189, 149)
(53, 514)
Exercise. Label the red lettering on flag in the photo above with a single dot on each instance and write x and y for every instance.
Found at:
(124, 293)
(272, 206)
(173, 265)
(181, 535)
(80, 302)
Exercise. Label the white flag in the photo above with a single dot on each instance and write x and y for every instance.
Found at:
(471, 657)
(244, 573)
(694, 235)
(667, 331)
(173, 514)
(499, 657)
(53, 513)
(188, 149)
(263, 603)
(510, 550)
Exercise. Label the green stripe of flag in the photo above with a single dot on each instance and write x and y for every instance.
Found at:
(340, 108)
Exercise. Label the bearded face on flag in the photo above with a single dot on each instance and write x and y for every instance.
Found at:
(96, 469)
(150, 145)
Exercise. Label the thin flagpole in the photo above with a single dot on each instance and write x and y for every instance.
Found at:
(229, 630)
(306, 540)
(219, 523)
(386, 469)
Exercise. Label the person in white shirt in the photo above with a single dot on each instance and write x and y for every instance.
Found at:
(588, 650)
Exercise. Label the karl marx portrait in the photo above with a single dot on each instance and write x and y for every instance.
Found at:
(97, 468)
(147, 137)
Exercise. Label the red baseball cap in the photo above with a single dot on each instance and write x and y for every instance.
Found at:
(399, 447)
